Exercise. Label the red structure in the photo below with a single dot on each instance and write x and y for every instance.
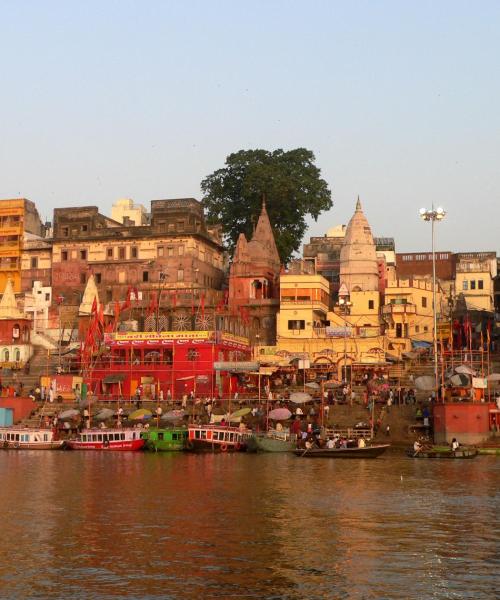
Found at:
(469, 422)
(175, 362)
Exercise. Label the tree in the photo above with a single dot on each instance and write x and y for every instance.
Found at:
(290, 183)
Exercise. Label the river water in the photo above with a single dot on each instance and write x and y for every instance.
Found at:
(132, 525)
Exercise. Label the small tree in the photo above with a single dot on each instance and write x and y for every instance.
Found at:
(290, 183)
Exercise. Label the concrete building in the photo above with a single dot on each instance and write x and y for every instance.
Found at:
(126, 212)
(15, 329)
(475, 274)
(17, 217)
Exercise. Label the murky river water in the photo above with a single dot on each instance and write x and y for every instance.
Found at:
(129, 525)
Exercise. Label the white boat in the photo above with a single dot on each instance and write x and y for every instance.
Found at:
(107, 439)
(27, 438)
(273, 441)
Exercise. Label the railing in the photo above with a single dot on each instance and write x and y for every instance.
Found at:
(352, 433)
(399, 309)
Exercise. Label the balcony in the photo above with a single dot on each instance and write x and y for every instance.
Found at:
(314, 304)
(399, 309)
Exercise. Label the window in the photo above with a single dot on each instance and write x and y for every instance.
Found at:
(161, 251)
(473, 284)
(109, 295)
(65, 231)
(121, 253)
(426, 328)
(296, 325)
(424, 302)
(83, 278)
(85, 228)
(47, 297)
(109, 252)
(170, 251)
(83, 254)
(480, 285)
(145, 276)
(34, 262)
(180, 274)
(465, 284)
(371, 304)
(181, 250)
(134, 252)
(98, 278)
(64, 255)
(417, 328)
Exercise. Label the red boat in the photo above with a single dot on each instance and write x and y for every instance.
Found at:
(107, 439)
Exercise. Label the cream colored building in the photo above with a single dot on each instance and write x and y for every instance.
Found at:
(474, 278)
(125, 211)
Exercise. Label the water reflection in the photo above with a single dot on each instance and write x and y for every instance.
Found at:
(225, 526)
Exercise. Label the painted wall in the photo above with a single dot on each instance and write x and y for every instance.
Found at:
(466, 421)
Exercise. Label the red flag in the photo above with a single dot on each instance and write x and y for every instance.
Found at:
(94, 306)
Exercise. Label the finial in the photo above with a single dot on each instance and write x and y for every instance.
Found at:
(358, 204)
(263, 201)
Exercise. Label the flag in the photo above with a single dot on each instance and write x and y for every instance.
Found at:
(94, 306)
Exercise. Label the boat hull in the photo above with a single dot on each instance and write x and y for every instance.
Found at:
(459, 454)
(264, 443)
(55, 445)
(366, 452)
(206, 446)
(164, 440)
(112, 446)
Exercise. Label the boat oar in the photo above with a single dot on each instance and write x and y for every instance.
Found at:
(303, 453)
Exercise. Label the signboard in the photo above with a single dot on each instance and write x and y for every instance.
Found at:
(338, 331)
(241, 366)
(144, 336)
(304, 364)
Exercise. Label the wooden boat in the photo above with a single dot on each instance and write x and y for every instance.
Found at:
(28, 438)
(165, 439)
(366, 452)
(217, 438)
(460, 453)
(272, 441)
(107, 439)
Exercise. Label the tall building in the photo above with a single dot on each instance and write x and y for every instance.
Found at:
(17, 217)
(358, 257)
(254, 280)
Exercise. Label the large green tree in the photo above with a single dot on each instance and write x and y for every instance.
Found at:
(290, 183)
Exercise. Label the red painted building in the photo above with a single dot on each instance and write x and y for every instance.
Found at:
(177, 361)
(468, 422)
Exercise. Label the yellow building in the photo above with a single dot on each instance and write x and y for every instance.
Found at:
(474, 278)
(17, 216)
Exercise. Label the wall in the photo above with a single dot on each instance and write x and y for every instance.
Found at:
(466, 421)
(22, 406)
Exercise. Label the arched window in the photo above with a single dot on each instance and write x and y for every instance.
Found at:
(17, 354)
(5, 355)
(16, 331)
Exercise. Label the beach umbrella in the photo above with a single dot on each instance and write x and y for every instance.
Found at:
(280, 414)
(173, 415)
(459, 380)
(240, 413)
(300, 397)
(313, 385)
(104, 414)
(68, 414)
(425, 383)
(464, 370)
(140, 414)
(493, 377)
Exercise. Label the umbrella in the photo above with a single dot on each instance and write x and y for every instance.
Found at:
(300, 397)
(280, 414)
(104, 414)
(240, 413)
(464, 370)
(68, 414)
(313, 385)
(425, 383)
(459, 380)
(493, 377)
(140, 414)
(173, 415)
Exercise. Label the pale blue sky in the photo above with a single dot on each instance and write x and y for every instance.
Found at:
(400, 102)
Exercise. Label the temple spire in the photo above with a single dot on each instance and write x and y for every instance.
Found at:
(358, 204)
(8, 304)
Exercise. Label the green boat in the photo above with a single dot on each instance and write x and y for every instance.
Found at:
(165, 440)
(272, 441)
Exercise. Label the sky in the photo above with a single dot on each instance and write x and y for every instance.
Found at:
(399, 101)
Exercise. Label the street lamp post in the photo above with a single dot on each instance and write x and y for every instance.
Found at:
(434, 215)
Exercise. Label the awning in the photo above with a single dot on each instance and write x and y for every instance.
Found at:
(420, 344)
(116, 378)
(236, 366)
